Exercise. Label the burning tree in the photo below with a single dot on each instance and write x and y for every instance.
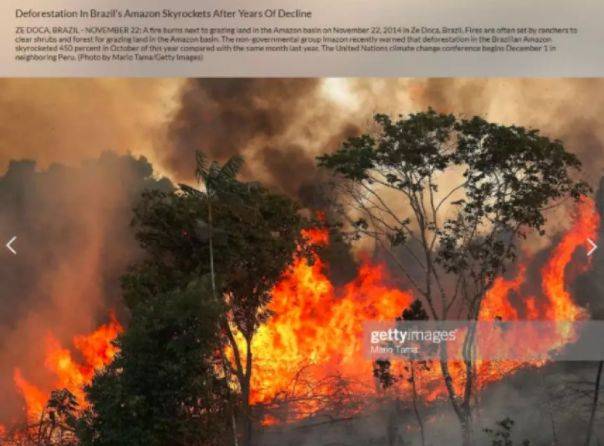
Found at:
(447, 199)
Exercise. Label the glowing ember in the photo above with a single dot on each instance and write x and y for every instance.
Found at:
(96, 350)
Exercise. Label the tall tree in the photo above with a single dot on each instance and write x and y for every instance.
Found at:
(448, 199)
(240, 234)
(211, 176)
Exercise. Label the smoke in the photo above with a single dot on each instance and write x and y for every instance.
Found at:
(73, 243)
(547, 408)
(590, 287)
(69, 120)
(281, 125)
(278, 125)
(72, 219)
(566, 109)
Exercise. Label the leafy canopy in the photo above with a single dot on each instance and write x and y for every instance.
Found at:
(452, 194)
(162, 388)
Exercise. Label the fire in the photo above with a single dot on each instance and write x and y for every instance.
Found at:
(311, 346)
(35, 399)
(315, 333)
(96, 351)
(558, 304)
(316, 329)
(561, 305)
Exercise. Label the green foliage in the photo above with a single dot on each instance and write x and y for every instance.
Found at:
(162, 388)
(382, 372)
(213, 175)
(457, 191)
(213, 255)
(57, 423)
(382, 368)
(255, 233)
(61, 408)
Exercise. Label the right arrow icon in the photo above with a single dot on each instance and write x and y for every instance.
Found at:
(593, 247)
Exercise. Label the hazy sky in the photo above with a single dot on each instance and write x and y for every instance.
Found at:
(278, 124)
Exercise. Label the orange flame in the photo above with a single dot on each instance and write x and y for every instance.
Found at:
(318, 328)
(315, 332)
(559, 304)
(96, 350)
(312, 343)
(35, 399)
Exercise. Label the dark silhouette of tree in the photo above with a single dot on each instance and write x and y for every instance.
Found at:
(241, 235)
(416, 312)
(162, 388)
(447, 199)
(211, 177)
(57, 422)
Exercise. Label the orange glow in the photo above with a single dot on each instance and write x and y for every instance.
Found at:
(316, 236)
(96, 351)
(311, 346)
(557, 304)
(35, 399)
(560, 303)
(315, 333)
(317, 328)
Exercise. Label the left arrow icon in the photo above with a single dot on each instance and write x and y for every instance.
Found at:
(10, 243)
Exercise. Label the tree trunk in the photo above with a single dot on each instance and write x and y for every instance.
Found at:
(594, 406)
(245, 394)
(234, 427)
(467, 432)
(461, 406)
(211, 243)
(420, 422)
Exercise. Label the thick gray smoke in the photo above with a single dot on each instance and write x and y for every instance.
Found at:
(278, 125)
(72, 222)
(73, 242)
(548, 406)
